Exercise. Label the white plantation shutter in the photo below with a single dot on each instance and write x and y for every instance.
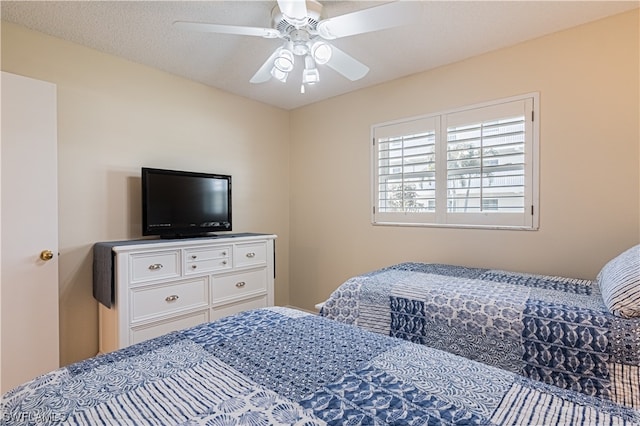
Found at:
(470, 167)
(405, 170)
(489, 165)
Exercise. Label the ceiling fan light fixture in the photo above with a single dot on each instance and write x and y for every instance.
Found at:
(279, 75)
(299, 44)
(310, 75)
(284, 60)
(300, 49)
(321, 52)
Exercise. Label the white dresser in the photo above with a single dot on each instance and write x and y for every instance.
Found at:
(166, 285)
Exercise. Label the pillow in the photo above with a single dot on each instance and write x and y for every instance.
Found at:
(619, 283)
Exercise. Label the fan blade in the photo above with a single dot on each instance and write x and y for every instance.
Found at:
(227, 29)
(264, 72)
(376, 18)
(294, 11)
(347, 65)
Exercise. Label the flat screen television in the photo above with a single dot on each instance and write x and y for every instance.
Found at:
(180, 204)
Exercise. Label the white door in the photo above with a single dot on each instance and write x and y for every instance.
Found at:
(29, 230)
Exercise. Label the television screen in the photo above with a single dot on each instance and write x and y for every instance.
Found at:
(184, 204)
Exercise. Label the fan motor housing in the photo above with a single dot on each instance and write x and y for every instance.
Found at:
(314, 11)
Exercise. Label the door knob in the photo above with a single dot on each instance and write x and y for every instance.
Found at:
(46, 255)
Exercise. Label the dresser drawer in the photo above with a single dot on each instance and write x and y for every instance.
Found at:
(146, 332)
(236, 286)
(159, 300)
(207, 266)
(194, 255)
(207, 260)
(252, 254)
(157, 265)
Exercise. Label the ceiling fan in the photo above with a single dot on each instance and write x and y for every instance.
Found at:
(305, 32)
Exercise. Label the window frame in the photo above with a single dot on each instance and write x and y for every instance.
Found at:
(528, 219)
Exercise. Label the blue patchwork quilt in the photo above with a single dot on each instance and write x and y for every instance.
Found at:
(551, 329)
(278, 366)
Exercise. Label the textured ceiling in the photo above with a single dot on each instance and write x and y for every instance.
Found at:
(445, 32)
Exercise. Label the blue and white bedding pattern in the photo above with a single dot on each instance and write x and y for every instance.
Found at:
(277, 366)
(551, 329)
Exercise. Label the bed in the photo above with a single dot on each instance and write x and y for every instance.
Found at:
(281, 366)
(575, 334)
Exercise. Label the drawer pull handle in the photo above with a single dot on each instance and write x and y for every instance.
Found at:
(172, 298)
(240, 284)
(224, 262)
(224, 253)
(194, 266)
(193, 256)
(155, 266)
(251, 254)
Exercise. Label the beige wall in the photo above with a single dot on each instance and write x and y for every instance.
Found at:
(115, 116)
(589, 175)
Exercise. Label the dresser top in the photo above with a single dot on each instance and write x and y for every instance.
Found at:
(158, 243)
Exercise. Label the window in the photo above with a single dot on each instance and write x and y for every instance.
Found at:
(474, 166)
